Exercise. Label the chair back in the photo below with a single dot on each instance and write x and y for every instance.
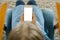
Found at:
(2, 18)
(58, 12)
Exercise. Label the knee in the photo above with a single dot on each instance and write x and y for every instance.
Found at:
(48, 13)
(9, 11)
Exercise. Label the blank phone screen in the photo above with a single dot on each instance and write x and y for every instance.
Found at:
(28, 13)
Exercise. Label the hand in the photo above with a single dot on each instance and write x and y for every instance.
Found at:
(33, 18)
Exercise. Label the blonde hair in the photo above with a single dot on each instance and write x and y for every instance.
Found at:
(26, 31)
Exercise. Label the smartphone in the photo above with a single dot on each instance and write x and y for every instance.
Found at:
(28, 13)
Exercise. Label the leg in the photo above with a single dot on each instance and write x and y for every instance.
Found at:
(8, 22)
(16, 14)
(49, 22)
(40, 19)
(20, 2)
(31, 2)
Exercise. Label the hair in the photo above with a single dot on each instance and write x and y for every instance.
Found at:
(26, 31)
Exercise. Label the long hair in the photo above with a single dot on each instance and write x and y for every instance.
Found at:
(26, 31)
